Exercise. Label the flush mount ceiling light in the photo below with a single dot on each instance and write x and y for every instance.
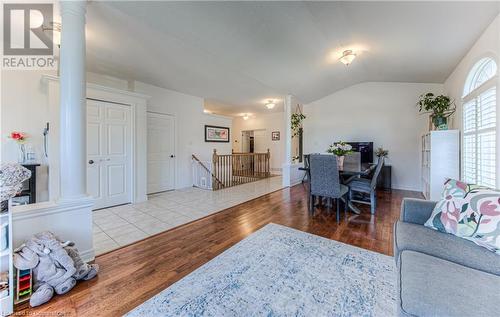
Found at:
(245, 116)
(270, 104)
(347, 57)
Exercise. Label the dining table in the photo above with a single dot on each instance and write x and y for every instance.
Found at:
(347, 172)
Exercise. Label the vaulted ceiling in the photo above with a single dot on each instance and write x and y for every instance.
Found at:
(238, 54)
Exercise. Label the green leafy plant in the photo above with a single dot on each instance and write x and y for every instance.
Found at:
(297, 119)
(340, 148)
(440, 107)
(380, 152)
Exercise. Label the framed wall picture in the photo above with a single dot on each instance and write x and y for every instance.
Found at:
(216, 134)
(275, 135)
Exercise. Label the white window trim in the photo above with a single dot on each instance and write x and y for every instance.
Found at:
(492, 82)
(475, 93)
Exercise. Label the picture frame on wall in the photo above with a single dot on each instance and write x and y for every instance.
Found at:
(275, 135)
(216, 134)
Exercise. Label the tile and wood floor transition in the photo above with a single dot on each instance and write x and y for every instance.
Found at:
(131, 275)
(122, 225)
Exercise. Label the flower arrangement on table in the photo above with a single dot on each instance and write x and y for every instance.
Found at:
(340, 149)
(20, 138)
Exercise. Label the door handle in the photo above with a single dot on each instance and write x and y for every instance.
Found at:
(91, 161)
(172, 156)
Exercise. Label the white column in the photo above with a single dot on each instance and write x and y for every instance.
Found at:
(73, 128)
(287, 116)
(288, 129)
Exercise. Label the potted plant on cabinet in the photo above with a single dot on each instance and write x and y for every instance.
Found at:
(440, 108)
(381, 152)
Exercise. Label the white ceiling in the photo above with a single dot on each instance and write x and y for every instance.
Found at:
(238, 54)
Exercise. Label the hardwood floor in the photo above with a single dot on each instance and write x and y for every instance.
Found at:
(135, 273)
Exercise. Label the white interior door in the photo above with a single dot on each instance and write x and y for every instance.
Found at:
(109, 144)
(161, 152)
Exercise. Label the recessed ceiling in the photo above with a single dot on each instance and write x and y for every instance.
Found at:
(237, 55)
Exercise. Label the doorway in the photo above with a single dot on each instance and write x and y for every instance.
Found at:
(253, 141)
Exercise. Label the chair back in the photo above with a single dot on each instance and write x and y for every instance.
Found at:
(324, 175)
(353, 159)
(376, 174)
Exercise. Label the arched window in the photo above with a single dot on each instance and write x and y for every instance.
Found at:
(479, 124)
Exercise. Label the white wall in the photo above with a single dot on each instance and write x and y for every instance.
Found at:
(488, 44)
(24, 108)
(383, 113)
(190, 122)
(270, 122)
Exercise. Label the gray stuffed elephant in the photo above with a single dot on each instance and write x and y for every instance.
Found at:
(56, 266)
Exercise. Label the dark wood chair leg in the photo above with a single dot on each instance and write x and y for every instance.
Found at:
(311, 204)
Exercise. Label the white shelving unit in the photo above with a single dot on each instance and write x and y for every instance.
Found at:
(440, 161)
(6, 265)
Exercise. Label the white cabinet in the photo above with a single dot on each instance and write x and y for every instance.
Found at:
(6, 266)
(440, 161)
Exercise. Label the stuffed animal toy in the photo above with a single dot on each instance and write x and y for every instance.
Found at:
(84, 271)
(56, 266)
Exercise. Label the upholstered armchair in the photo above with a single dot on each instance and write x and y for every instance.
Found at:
(439, 274)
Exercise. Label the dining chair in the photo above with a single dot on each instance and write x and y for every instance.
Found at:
(325, 181)
(305, 178)
(366, 186)
(353, 159)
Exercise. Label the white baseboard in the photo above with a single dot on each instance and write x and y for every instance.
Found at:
(87, 255)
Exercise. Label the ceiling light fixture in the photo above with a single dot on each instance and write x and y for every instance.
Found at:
(347, 57)
(270, 104)
(245, 116)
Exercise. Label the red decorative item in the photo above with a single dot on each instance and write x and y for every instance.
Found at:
(19, 137)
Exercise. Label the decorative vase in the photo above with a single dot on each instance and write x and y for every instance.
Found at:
(22, 153)
(440, 122)
(340, 162)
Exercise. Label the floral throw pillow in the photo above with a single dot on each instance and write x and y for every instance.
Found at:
(468, 211)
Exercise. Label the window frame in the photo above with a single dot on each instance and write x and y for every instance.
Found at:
(473, 95)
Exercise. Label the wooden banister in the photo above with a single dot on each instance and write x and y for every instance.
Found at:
(206, 169)
(239, 168)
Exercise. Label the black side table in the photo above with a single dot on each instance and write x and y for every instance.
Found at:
(384, 181)
(28, 193)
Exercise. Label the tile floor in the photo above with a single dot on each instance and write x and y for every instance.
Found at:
(118, 226)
